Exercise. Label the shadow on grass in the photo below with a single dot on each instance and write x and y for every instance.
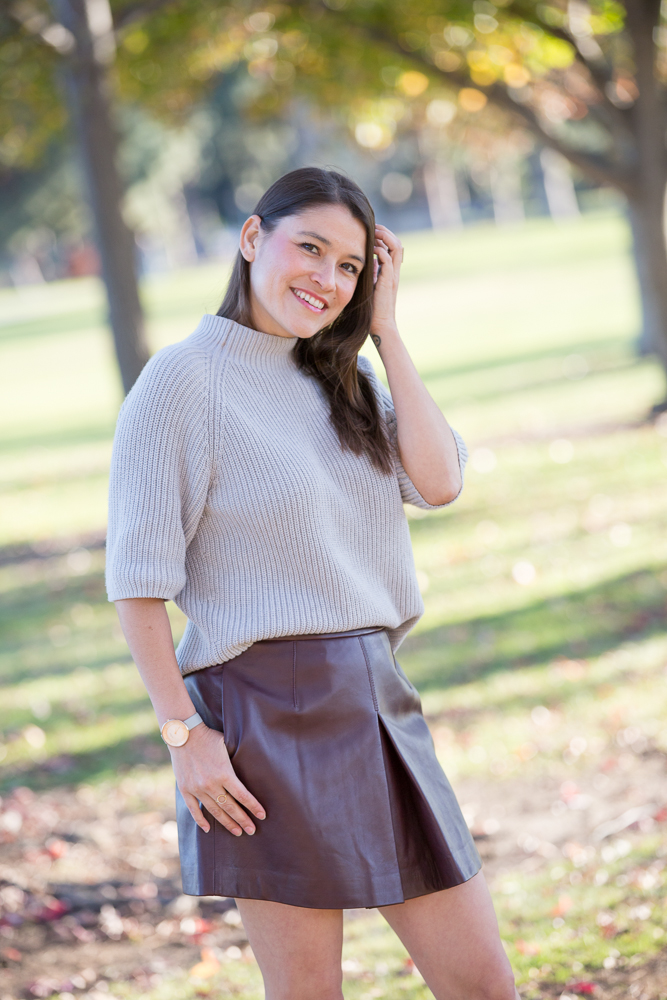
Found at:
(106, 763)
(54, 325)
(596, 347)
(581, 624)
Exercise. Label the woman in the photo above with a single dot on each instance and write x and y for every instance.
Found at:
(258, 477)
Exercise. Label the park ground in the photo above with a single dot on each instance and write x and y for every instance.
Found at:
(541, 658)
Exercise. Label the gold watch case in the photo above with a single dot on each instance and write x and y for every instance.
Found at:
(175, 733)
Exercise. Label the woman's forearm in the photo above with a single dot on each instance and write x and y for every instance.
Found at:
(202, 766)
(145, 623)
(425, 441)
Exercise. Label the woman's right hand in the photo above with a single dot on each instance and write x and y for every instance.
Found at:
(204, 773)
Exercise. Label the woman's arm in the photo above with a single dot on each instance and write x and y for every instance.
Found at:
(202, 766)
(426, 444)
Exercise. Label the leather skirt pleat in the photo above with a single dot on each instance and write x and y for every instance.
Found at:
(328, 733)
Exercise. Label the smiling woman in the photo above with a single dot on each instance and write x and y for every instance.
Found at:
(308, 241)
(258, 480)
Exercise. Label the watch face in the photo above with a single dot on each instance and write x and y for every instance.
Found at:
(175, 732)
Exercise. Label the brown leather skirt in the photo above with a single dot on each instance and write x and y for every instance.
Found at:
(328, 733)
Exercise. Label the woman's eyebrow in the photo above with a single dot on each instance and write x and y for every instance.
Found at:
(327, 243)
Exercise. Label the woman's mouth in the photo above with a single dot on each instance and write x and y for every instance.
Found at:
(310, 301)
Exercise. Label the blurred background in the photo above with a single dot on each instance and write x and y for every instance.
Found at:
(519, 150)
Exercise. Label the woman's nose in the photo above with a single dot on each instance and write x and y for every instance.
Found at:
(325, 276)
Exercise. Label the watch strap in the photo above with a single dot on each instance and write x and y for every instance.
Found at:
(193, 721)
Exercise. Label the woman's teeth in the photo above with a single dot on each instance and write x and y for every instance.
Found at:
(317, 303)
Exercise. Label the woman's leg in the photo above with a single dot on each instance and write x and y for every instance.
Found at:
(452, 937)
(298, 950)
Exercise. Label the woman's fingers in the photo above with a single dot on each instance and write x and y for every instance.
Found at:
(242, 795)
(391, 240)
(196, 813)
(205, 775)
(385, 259)
(229, 814)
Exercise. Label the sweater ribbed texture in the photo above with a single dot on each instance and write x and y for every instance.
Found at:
(231, 496)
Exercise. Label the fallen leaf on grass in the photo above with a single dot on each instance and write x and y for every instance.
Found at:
(562, 906)
(584, 987)
(57, 848)
(207, 968)
(53, 909)
(195, 926)
(527, 947)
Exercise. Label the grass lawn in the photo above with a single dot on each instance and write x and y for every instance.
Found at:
(541, 658)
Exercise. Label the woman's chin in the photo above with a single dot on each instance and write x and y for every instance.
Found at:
(305, 329)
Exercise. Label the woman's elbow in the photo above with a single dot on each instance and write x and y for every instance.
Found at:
(438, 494)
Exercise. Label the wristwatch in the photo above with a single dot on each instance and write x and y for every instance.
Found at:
(175, 733)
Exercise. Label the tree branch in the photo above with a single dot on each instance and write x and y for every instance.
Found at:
(51, 33)
(599, 74)
(138, 11)
(595, 167)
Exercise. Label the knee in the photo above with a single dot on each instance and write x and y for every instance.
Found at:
(496, 984)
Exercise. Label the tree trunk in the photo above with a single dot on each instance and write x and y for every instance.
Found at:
(647, 198)
(505, 181)
(650, 254)
(88, 87)
(442, 195)
(558, 186)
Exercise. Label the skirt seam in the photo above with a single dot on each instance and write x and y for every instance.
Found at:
(371, 680)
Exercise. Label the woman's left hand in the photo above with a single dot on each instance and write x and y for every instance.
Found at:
(389, 252)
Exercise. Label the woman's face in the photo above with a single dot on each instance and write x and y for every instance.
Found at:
(303, 273)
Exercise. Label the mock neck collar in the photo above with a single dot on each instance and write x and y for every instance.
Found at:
(243, 343)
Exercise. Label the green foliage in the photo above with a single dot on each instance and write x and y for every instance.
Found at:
(167, 57)
(31, 109)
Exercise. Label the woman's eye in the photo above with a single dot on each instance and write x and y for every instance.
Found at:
(310, 247)
(351, 269)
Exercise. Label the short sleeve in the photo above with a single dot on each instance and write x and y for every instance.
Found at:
(409, 492)
(160, 473)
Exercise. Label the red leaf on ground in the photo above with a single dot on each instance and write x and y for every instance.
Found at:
(11, 954)
(53, 910)
(584, 987)
(562, 906)
(527, 947)
(57, 848)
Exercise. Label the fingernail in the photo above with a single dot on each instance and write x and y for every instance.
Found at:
(261, 815)
(237, 833)
(249, 829)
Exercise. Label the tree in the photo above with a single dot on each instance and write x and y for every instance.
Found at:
(586, 79)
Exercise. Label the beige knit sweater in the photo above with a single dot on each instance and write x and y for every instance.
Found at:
(231, 496)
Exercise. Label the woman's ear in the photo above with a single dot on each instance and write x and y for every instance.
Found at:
(249, 234)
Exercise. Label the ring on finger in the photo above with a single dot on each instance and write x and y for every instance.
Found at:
(222, 796)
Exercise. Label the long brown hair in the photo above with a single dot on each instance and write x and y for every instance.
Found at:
(330, 355)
